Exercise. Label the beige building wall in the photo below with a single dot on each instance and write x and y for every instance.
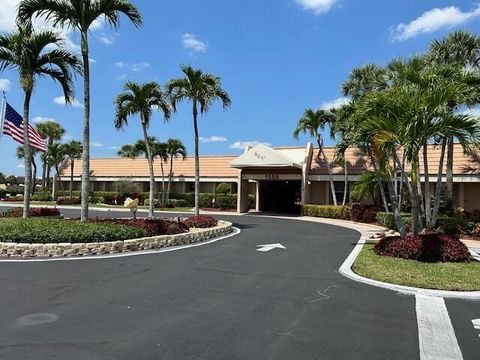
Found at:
(471, 196)
(319, 193)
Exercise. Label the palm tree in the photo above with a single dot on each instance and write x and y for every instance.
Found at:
(463, 49)
(128, 151)
(314, 122)
(52, 131)
(141, 99)
(33, 153)
(55, 158)
(73, 150)
(175, 148)
(202, 90)
(81, 15)
(35, 54)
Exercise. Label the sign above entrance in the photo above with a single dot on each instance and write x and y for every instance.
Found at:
(272, 177)
(262, 156)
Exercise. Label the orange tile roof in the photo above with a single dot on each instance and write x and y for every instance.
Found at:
(210, 166)
(462, 164)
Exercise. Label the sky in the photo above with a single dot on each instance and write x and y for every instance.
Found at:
(275, 58)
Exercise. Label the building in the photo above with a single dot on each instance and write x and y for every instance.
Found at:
(281, 178)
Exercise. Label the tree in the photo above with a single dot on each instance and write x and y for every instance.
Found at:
(202, 90)
(141, 99)
(11, 180)
(175, 148)
(314, 122)
(128, 151)
(81, 15)
(2, 178)
(463, 49)
(55, 158)
(21, 156)
(73, 150)
(52, 131)
(35, 54)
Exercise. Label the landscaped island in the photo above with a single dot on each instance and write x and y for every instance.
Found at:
(47, 236)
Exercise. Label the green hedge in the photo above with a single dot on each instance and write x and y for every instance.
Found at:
(327, 211)
(446, 224)
(43, 231)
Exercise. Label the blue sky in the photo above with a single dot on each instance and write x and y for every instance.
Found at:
(275, 57)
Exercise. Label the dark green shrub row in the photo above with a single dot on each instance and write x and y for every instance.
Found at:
(327, 211)
(33, 212)
(68, 201)
(45, 231)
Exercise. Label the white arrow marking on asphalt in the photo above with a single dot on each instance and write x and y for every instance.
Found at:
(268, 247)
(476, 324)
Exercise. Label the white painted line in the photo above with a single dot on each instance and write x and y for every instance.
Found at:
(235, 232)
(268, 247)
(474, 254)
(435, 331)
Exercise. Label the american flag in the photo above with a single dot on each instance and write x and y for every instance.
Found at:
(13, 126)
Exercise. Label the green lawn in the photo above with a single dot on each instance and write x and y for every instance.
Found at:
(440, 276)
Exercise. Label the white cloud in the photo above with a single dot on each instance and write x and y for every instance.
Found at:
(5, 85)
(213, 139)
(119, 64)
(92, 61)
(335, 104)
(140, 66)
(433, 20)
(191, 42)
(243, 144)
(114, 148)
(106, 40)
(61, 101)
(40, 119)
(20, 166)
(96, 144)
(67, 137)
(318, 6)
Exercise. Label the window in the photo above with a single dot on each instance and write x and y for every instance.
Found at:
(339, 191)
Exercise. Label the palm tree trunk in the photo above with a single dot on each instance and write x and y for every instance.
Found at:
(71, 176)
(394, 196)
(345, 188)
(419, 189)
(162, 199)
(436, 206)
(197, 160)
(57, 171)
(86, 129)
(34, 175)
(169, 178)
(27, 157)
(449, 192)
(151, 173)
(379, 181)
(332, 185)
(44, 173)
(428, 199)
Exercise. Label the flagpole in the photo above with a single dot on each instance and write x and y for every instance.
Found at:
(2, 115)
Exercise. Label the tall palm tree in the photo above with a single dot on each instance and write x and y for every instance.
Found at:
(314, 122)
(55, 157)
(461, 48)
(34, 54)
(52, 131)
(33, 153)
(81, 15)
(202, 90)
(175, 148)
(128, 151)
(73, 150)
(141, 99)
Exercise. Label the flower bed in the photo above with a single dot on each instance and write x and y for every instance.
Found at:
(200, 221)
(151, 227)
(426, 248)
(33, 212)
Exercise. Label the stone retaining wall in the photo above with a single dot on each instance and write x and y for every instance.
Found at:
(102, 248)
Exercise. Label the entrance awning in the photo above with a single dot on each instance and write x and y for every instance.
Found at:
(262, 156)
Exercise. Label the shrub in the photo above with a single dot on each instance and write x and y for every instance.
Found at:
(451, 224)
(388, 220)
(179, 203)
(427, 248)
(188, 197)
(45, 231)
(327, 211)
(252, 202)
(226, 202)
(201, 221)
(205, 200)
(68, 201)
(125, 187)
(223, 188)
(13, 199)
(3, 193)
(364, 213)
(151, 227)
(43, 195)
(33, 212)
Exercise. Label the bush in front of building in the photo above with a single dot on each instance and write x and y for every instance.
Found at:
(68, 201)
(201, 221)
(365, 213)
(223, 188)
(151, 227)
(426, 248)
(327, 211)
(32, 212)
(44, 231)
(42, 195)
(226, 202)
(3, 194)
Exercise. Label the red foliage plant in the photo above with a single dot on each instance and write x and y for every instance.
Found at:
(33, 212)
(426, 248)
(152, 227)
(201, 221)
(365, 213)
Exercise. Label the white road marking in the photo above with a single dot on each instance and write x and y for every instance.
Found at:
(435, 331)
(268, 247)
(476, 324)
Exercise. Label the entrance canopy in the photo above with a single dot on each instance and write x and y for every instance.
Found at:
(262, 156)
